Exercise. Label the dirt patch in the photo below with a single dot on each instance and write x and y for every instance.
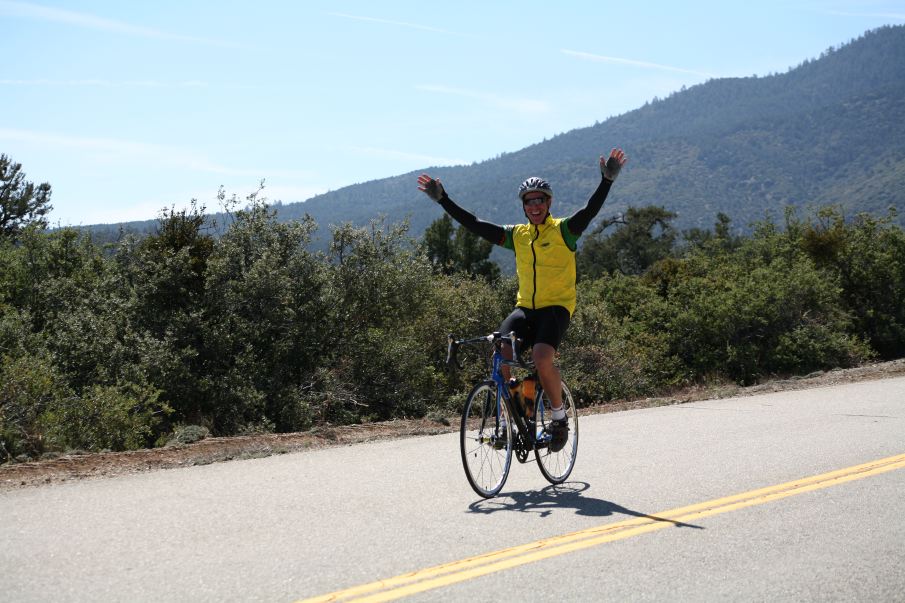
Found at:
(78, 466)
(72, 467)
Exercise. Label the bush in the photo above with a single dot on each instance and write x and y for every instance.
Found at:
(867, 258)
(29, 385)
(16, 335)
(253, 332)
(812, 346)
(187, 434)
(465, 307)
(613, 348)
(378, 286)
(121, 417)
(741, 313)
(266, 325)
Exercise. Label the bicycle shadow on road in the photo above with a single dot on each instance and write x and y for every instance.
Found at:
(562, 496)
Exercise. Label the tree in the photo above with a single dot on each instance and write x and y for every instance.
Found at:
(645, 235)
(21, 203)
(867, 255)
(719, 239)
(437, 244)
(458, 250)
(166, 272)
(264, 329)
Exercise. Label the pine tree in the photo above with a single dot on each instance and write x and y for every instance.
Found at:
(21, 203)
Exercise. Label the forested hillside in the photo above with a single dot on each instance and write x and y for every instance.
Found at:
(831, 130)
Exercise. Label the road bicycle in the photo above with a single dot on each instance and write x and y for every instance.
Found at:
(504, 418)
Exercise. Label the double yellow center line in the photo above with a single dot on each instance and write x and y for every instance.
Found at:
(496, 561)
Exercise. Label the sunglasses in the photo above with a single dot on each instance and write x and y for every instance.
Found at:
(535, 201)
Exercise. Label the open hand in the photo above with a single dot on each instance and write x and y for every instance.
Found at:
(610, 166)
(430, 187)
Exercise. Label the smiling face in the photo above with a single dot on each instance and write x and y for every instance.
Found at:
(536, 205)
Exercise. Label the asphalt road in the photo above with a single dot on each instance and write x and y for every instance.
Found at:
(645, 516)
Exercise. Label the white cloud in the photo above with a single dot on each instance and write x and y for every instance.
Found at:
(40, 12)
(116, 151)
(106, 83)
(633, 63)
(524, 106)
(150, 207)
(890, 16)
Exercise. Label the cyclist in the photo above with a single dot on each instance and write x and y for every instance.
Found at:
(545, 264)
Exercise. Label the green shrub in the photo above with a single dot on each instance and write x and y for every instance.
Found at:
(254, 332)
(121, 417)
(741, 313)
(613, 348)
(812, 346)
(867, 257)
(187, 434)
(463, 306)
(29, 385)
(266, 324)
(16, 335)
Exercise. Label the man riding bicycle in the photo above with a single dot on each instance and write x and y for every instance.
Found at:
(545, 264)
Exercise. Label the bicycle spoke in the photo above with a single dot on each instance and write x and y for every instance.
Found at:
(556, 466)
(486, 465)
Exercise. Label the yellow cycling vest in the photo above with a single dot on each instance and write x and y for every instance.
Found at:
(545, 263)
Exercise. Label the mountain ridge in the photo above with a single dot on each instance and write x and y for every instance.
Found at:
(817, 134)
(828, 131)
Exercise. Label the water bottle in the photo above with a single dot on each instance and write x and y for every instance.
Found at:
(515, 391)
(528, 391)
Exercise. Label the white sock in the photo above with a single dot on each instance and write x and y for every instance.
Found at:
(559, 413)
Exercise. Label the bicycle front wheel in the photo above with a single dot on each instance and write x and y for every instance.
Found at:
(485, 440)
(555, 465)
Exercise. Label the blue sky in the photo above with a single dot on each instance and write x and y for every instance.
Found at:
(129, 107)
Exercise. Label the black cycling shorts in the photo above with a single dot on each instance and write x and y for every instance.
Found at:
(544, 325)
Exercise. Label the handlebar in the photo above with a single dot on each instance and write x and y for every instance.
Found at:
(496, 338)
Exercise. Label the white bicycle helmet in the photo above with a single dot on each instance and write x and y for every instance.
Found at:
(534, 184)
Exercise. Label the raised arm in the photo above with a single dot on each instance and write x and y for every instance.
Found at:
(486, 230)
(609, 170)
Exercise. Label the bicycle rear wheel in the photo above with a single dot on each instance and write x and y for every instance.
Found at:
(555, 466)
(485, 440)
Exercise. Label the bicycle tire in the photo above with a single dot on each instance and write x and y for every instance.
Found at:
(486, 463)
(555, 466)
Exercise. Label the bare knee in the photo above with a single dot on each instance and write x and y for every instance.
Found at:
(543, 355)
